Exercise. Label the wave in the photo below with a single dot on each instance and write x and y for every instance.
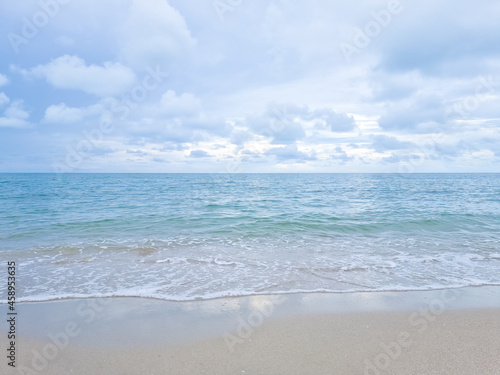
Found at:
(234, 294)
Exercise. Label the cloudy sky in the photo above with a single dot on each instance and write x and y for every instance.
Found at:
(249, 86)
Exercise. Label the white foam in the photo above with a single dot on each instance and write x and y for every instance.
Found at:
(219, 268)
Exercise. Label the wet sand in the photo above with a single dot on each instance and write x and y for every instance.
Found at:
(435, 332)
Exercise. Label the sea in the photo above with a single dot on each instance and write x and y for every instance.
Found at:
(183, 237)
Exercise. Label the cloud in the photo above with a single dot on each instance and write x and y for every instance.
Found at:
(15, 116)
(340, 155)
(284, 113)
(337, 122)
(239, 137)
(397, 158)
(424, 113)
(71, 72)
(138, 153)
(287, 123)
(290, 152)
(269, 85)
(185, 104)
(176, 118)
(199, 154)
(154, 33)
(3, 80)
(395, 86)
(4, 99)
(291, 132)
(381, 143)
(209, 125)
(278, 125)
(455, 45)
(65, 41)
(63, 114)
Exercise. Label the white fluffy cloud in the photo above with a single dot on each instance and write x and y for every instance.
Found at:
(290, 152)
(288, 123)
(185, 104)
(154, 33)
(15, 116)
(383, 143)
(4, 99)
(3, 80)
(71, 72)
(61, 113)
(415, 90)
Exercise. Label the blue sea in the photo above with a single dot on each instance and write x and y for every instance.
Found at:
(183, 237)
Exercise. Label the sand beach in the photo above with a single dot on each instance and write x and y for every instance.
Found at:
(450, 331)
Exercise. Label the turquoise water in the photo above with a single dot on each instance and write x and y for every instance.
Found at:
(197, 236)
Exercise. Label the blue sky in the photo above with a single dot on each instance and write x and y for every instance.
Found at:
(249, 86)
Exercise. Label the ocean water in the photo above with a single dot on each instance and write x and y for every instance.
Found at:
(198, 236)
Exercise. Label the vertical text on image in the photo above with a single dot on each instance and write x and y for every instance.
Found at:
(11, 313)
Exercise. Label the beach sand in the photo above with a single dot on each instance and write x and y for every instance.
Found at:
(439, 332)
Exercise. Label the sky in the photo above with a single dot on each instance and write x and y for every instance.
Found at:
(249, 86)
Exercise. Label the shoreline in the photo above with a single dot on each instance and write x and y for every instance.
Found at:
(265, 294)
(261, 334)
(223, 312)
